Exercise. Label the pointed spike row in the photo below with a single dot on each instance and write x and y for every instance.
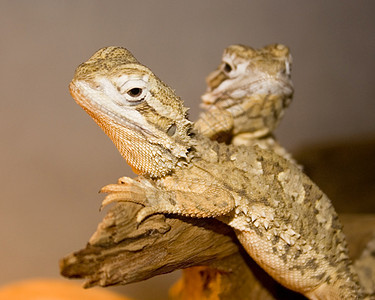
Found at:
(245, 210)
(182, 163)
(291, 232)
(266, 224)
(343, 256)
(285, 237)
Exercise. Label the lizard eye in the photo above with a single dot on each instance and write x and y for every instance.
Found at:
(135, 94)
(227, 68)
(134, 90)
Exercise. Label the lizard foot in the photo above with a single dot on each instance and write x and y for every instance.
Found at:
(126, 190)
(211, 201)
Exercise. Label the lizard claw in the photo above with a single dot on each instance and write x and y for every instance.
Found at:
(123, 184)
(115, 197)
(145, 212)
(126, 180)
(126, 190)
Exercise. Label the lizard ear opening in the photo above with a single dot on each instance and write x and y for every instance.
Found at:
(172, 130)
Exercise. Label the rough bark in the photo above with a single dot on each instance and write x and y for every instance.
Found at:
(120, 252)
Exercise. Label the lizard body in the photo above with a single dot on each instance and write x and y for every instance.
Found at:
(285, 223)
(247, 95)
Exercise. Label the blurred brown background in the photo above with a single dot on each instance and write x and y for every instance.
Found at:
(54, 158)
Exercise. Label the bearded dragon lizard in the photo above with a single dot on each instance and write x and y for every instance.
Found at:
(282, 219)
(247, 96)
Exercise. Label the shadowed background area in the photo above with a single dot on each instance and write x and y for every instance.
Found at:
(54, 158)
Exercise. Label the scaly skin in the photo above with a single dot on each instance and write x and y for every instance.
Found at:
(285, 223)
(247, 96)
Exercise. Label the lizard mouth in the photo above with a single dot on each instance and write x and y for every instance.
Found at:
(278, 86)
(209, 98)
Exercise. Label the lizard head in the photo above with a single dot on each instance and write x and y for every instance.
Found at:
(253, 84)
(142, 116)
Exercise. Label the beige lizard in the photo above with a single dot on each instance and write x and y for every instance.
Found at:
(245, 101)
(285, 223)
(247, 95)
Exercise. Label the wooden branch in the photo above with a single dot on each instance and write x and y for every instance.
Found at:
(121, 253)
(215, 266)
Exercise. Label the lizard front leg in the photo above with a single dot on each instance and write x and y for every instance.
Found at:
(204, 201)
